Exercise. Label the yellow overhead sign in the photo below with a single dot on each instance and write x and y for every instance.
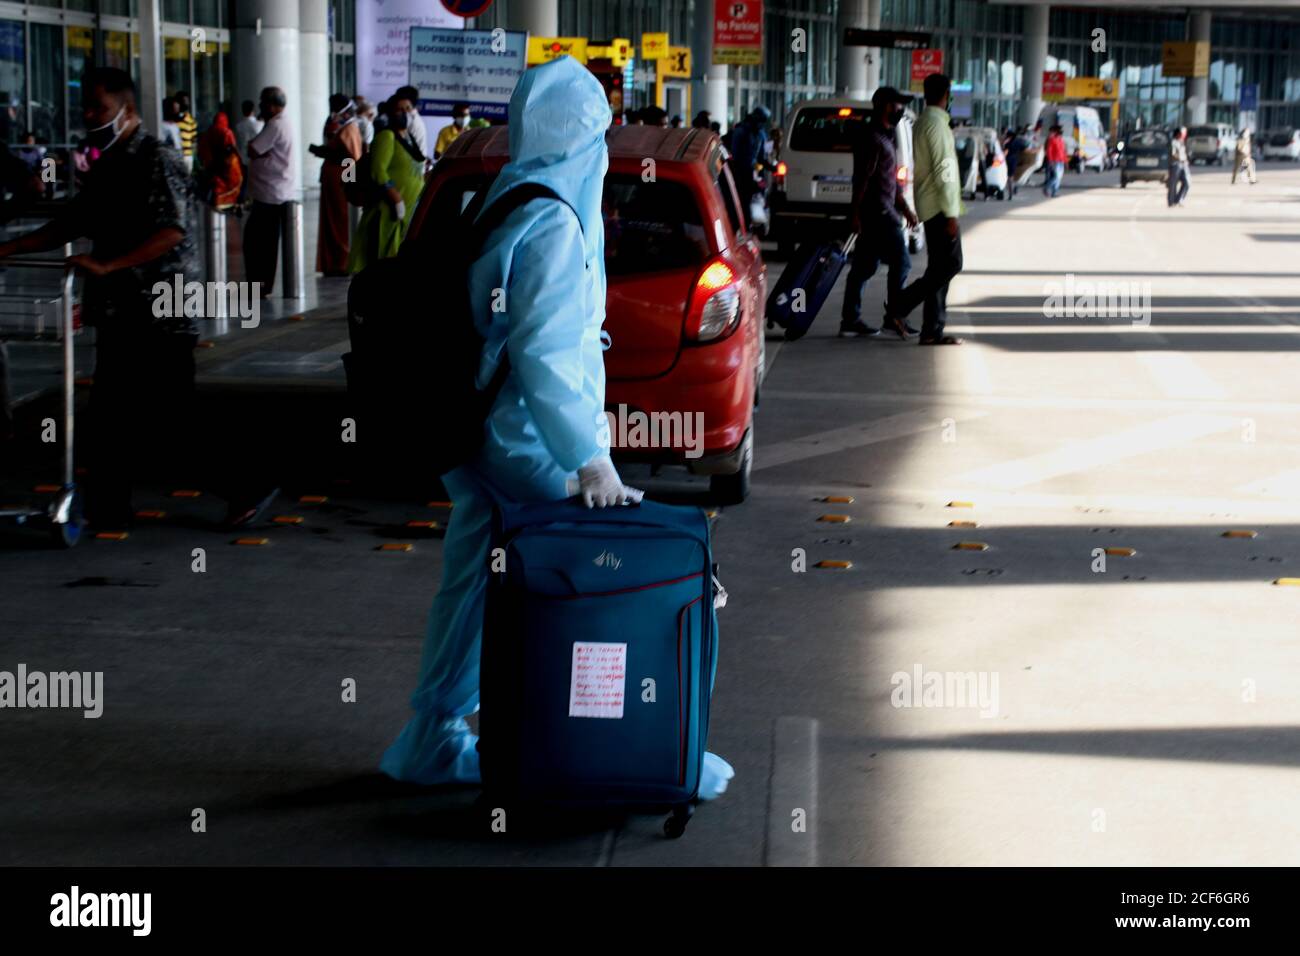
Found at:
(619, 52)
(654, 46)
(545, 49)
(1185, 58)
(1091, 88)
(677, 62)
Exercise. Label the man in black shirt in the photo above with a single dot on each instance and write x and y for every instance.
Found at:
(137, 209)
(878, 211)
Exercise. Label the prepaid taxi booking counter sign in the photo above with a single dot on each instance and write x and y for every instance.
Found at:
(478, 67)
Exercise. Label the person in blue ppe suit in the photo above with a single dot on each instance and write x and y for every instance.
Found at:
(547, 432)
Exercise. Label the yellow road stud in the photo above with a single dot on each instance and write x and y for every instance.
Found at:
(394, 546)
(151, 514)
(47, 489)
(1121, 552)
(112, 535)
(835, 519)
(838, 499)
(841, 565)
(970, 546)
(1240, 534)
(440, 504)
(313, 499)
(1293, 581)
(963, 524)
(252, 542)
(422, 524)
(186, 493)
(961, 504)
(287, 519)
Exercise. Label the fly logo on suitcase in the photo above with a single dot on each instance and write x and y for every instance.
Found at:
(595, 690)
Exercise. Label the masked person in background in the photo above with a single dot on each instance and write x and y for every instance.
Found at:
(416, 130)
(449, 134)
(136, 208)
(548, 425)
(340, 151)
(397, 166)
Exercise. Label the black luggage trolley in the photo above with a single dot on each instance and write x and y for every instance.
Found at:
(48, 320)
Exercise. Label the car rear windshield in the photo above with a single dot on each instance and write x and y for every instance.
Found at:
(1280, 139)
(651, 226)
(827, 129)
(1203, 131)
(1149, 137)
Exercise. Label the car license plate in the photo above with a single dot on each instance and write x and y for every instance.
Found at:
(835, 189)
(1147, 161)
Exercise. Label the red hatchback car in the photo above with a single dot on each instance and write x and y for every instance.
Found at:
(686, 294)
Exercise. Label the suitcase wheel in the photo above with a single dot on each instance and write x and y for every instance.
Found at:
(675, 825)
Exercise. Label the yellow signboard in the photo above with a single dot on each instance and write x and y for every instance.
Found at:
(619, 52)
(654, 46)
(677, 62)
(545, 49)
(1091, 88)
(1185, 58)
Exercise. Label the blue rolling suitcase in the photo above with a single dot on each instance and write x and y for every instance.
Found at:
(599, 651)
(806, 284)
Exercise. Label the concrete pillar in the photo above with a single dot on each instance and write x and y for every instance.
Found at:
(1197, 108)
(1034, 61)
(265, 51)
(851, 64)
(149, 103)
(873, 53)
(708, 82)
(313, 81)
(541, 18)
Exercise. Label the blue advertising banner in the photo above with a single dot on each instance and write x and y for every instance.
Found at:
(478, 67)
(1249, 97)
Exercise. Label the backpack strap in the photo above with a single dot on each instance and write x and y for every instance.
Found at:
(488, 221)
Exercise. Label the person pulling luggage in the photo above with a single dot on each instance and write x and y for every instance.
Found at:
(879, 209)
(548, 425)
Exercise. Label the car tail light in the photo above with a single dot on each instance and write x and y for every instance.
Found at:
(780, 169)
(715, 303)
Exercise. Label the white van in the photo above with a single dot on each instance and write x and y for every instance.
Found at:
(1085, 137)
(813, 186)
(1213, 143)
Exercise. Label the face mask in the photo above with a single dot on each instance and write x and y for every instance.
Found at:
(102, 137)
(895, 116)
(460, 121)
(397, 122)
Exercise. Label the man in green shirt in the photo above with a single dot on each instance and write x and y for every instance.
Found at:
(939, 206)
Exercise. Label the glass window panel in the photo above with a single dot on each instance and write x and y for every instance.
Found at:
(81, 55)
(13, 86)
(207, 12)
(47, 84)
(177, 11)
(176, 66)
(207, 85)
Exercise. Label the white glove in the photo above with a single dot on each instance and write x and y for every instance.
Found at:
(400, 211)
(601, 487)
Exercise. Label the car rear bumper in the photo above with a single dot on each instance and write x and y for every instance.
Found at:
(695, 415)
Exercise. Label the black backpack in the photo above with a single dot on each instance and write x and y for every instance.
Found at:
(415, 351)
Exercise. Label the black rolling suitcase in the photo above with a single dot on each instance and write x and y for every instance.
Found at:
(806, 283)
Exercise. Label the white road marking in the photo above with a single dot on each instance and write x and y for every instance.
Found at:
(792, 794)
(854, 436)
(1080, 456)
